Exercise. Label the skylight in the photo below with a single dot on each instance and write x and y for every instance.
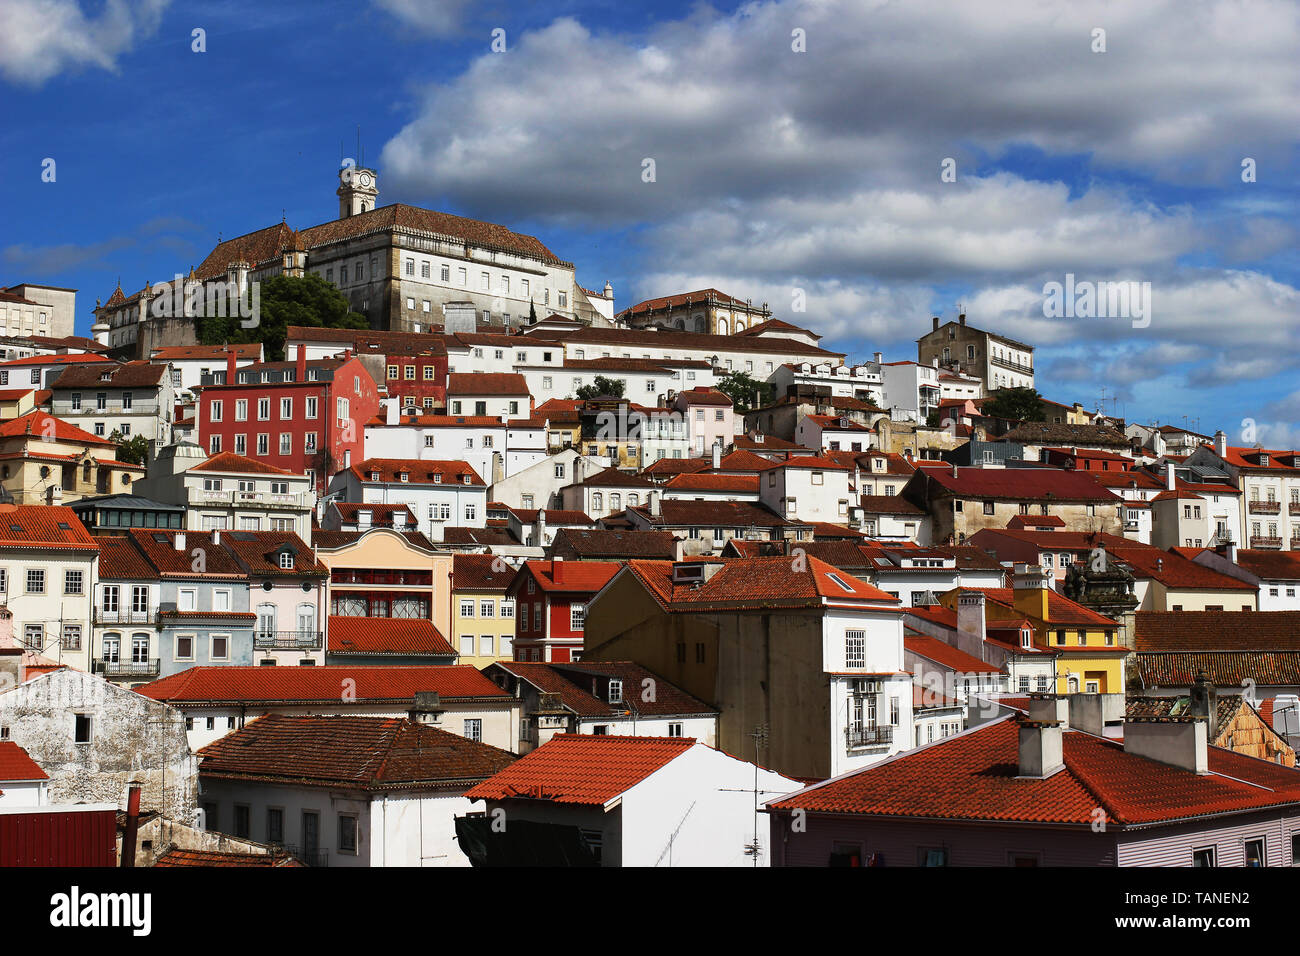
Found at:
(836, 578)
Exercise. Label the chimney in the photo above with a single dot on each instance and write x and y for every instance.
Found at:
(1041, 752)
(1171, 477)
(961, 319)
(557, 570)
(540, 528)
(1031, 583)
(300, 369)
(936, 324)
(1178, 741)
(857, 478)
(426, 708)
(54, 495)
(1205, 703)
(1221, 444)
(180, 540)
(230, 365)
(347, 458)
(654, 503)
(717, 454)
(970, 623)
(880, 356)
(132, 826)
(216, 537)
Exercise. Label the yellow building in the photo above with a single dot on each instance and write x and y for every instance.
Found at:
(1090, 657)
(16, 401)
(483, 618)
(44, 460)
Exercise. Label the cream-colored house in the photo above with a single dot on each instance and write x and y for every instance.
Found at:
(44, 460)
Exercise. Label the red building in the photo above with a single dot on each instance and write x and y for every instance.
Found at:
(551, 598)
(306, 417)
(411, 365)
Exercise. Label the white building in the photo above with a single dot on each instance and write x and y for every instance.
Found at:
(388, 795)
(911, 391)
(863, 382)
(503, 395)
(807, 488)
(132, 399)
(189, 363)
(538, 485)
(443, 494)
(639, 801)
(22, 781)
(229, 491)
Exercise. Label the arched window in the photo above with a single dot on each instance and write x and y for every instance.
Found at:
(722, 326)
(306, 620)
(615, 502)
(597, 501)
(266, 620)
(633, 500)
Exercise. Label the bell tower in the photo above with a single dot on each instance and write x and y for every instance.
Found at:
(357, 190)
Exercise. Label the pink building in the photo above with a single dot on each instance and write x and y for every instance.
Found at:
(709, 418)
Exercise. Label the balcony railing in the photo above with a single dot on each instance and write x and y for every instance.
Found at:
(308, 857)
(1014, 366)
(148, 668)
(869, 736)
(1293, 507)
(246, 499)
(1265, 507)
(288, 640)
(124, 617)
(1266, 542)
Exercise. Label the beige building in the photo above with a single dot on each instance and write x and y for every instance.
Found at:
(999, 362)
(706, 310)
(44, 460)
(30, 309)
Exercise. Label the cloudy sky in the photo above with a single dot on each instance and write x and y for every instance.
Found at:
(796, 146)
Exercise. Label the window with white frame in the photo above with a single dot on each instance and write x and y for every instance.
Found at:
(577, 616)
(855, 648)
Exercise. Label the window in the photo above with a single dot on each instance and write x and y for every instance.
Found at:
(184, 648)
(474, 729)
(215, 411)
(1255, 852)
(988, 507)
(577, 616)
(241, 821)
(286, 560)
(1205, 856)
(264, 444)
(35, 581)
(311, 406)
(263, 409)
(855, 648)
(467, 607)
(286, 409)
(83, 731)
(72, 582)
(487, 608)
(286, 443)
(674, 730)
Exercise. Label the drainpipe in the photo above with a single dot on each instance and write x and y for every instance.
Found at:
(132, 826)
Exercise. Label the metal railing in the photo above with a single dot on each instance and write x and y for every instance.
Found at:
(124, 617)
(1265, 542)
(290, 640)
(868, 736)
(149, 668)
(317, 857)
(1265, 507)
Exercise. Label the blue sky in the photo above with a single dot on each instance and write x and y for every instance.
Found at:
(776, 170)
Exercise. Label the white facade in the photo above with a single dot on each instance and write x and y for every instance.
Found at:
(49, 593)
(436, 505)
(802, 492)
(871, 715)
(859, 381)
(911, 391)
(479, 441)
(538, 485)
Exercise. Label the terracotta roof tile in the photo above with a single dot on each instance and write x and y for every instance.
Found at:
(390, 636)
(43, 526)
(264, 685)
(418, 472)
(487, 383)
(16, 764)
(362, 753)
(582, 769)
(230, 463)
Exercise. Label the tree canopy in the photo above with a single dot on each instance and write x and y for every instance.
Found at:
(745, 391)
(1015, 404)
(132, 450)
(284, 301)
(602, 388)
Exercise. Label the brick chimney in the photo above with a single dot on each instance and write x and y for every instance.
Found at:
(936, 324)
(230, 365)
(557, 570)
(300, 369)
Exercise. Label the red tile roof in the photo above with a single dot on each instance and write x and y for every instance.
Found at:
(699, 297)
(1175, 571)
(418, 472)
(933, 649)
(888, 505)
(487, 383)
(130, 375)
(213, 353)
(758, 583)
(44, 425)
(742, 484)
(228, 462)
(575, 576)
(1020, 484)
(1271, 565)
(358, 753)
(16, 764)
(1026, 522)
(582, 769)
(281, 685)
(554, 516)
(1060, 609)
(704, 396)
(973, 776)
(397, 637)
(481, 572)
(677, 466)
(1243, 458)
(43, 527)
(1184, 631)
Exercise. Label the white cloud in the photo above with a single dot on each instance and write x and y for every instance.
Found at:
(432, 17)
(41, 38)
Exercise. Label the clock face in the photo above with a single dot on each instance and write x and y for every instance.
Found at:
(365, 179)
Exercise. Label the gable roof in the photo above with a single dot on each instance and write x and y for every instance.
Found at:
(481, 572)
(974, 776)
(42, 425)
(1211, 631)
(945, 655)
(17, 765)
(229, 463)
(130, 375)
(582, 769)
(607, 543)
(359, 753)
(575, 576)
(487, 383)
(1021, 484)
(758, 583)
(43, 527)
(418, 472)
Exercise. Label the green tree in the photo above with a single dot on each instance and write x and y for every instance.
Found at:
(134, 449)
(745, 391)
(284, 301)
(602, 388)
(1015, 404)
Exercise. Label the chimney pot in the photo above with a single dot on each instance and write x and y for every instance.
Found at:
(1041, 750)
(180, 541)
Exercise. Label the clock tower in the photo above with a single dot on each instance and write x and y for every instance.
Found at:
(357, 190)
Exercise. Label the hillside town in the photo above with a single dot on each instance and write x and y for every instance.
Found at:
(502, 572)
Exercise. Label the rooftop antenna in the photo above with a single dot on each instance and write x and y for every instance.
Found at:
(759, 736)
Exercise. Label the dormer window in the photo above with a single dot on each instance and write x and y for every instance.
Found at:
(374, 476)
(403, 476)
(106, 377)
(286, 560)
(464, 479)
(615, 691)
(437, 479)
(1026, 637)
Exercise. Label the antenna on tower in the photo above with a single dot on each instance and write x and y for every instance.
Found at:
(755, 848)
